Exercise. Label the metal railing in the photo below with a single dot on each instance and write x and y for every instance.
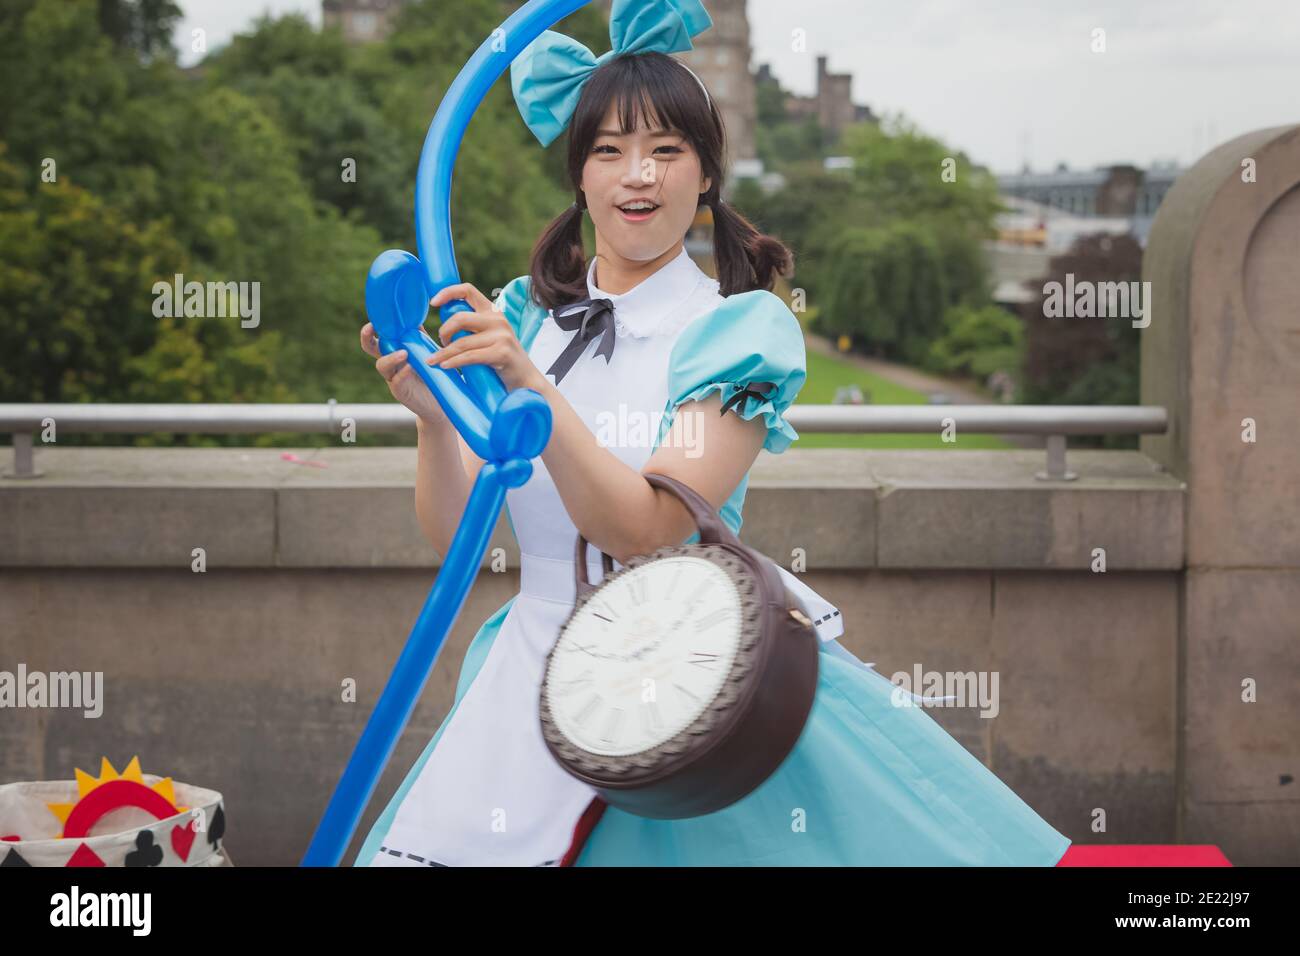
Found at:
(1056, 422)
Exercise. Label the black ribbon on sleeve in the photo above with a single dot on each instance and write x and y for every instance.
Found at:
(759, 391)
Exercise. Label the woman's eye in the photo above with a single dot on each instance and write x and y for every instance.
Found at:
(603, 146)
(671, 149)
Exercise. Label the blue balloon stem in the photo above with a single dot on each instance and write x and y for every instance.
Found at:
(400, 694)
(505, 430)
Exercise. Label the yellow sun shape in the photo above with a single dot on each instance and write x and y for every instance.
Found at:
(86, 783)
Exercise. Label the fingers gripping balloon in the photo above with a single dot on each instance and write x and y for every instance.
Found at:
(506, 430)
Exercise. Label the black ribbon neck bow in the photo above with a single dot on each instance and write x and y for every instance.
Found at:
(590, 318)
(759, 391)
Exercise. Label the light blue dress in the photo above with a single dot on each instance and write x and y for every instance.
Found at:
(869, 782)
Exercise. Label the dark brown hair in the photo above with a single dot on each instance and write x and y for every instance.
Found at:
(655, 87)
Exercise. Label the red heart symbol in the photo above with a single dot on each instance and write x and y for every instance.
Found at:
(183, 839)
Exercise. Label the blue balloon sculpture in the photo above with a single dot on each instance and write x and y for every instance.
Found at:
(505, 430)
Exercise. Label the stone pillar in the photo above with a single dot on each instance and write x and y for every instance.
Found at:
(1222, 353)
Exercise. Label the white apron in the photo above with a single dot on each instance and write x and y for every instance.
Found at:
(490, 793)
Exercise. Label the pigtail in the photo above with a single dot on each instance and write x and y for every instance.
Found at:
(559, 263)
(746, 259)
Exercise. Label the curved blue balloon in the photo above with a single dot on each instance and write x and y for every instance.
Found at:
(506, 430)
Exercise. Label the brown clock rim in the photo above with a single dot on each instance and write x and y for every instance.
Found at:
(711, 726)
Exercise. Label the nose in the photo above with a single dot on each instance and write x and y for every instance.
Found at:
(641, 169)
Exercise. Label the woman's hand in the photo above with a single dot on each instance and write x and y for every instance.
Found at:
(403, 381)
(493, 343)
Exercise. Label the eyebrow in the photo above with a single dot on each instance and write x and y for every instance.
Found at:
(658, 132)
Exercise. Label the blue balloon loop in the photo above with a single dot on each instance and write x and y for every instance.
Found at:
(505, 429)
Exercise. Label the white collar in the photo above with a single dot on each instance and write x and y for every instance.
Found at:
(645, 309)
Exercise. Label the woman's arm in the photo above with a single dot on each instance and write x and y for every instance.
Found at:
(613, 506)
(446, 467)
(445, 473)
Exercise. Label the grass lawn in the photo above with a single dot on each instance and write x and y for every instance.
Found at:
(825, 374)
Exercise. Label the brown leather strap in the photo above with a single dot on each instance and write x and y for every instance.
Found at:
(713, 530)
(580, 566)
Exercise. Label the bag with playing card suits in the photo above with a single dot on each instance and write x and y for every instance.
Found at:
(133, 819)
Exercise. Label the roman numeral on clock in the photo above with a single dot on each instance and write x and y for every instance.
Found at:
(588, 710)
(612, 725)
(705, 586)
(575, 684)
(673, 586)
(637, 589)
(651, 719)
(712, 619)
(703, 659)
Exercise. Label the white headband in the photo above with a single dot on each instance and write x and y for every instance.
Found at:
(707, 97)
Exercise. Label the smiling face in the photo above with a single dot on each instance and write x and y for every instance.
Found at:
(642, 187)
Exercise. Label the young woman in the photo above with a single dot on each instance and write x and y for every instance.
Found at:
(678, 373)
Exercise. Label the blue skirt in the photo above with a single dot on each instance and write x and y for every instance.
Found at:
(869, 783)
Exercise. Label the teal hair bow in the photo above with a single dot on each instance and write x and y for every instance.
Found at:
(548, 75)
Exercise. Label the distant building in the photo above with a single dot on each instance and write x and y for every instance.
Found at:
(1047, 212)
(832, 103)
(1108, 191)
(1032, 225)
(1029, 234)
(720, 58)
(361, 21)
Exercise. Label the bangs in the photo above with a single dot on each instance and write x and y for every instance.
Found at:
(651, 90)
(636, 104)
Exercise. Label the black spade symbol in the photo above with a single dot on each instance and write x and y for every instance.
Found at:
(218, 828)
(14, 858)
(146, 853)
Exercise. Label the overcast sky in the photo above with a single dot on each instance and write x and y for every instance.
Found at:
(1011, 81)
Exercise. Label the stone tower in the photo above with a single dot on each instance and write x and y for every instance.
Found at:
(360, 20)
(720, 58)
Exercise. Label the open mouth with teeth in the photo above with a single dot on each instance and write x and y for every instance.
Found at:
(638, 210)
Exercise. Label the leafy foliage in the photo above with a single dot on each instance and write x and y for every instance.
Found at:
(978, 342)
(287, 158)
(1086, 361)
(885, 248)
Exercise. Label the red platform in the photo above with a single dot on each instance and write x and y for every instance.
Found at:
(1143, 855)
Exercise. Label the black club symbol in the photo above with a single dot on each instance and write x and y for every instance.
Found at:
(146, 853)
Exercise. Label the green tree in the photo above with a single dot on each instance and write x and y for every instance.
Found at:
(63, 87)
(143, 26)
(900, 173)
(885, 247)
(978, 342)
(1075, 360)
(235, 172)
(76, 290)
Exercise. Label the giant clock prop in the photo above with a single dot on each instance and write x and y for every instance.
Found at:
(682, 682)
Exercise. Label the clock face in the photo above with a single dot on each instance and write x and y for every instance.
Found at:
(643, 658)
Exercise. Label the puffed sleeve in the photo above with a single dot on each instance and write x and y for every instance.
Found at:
(750, 350)
(524, 314)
